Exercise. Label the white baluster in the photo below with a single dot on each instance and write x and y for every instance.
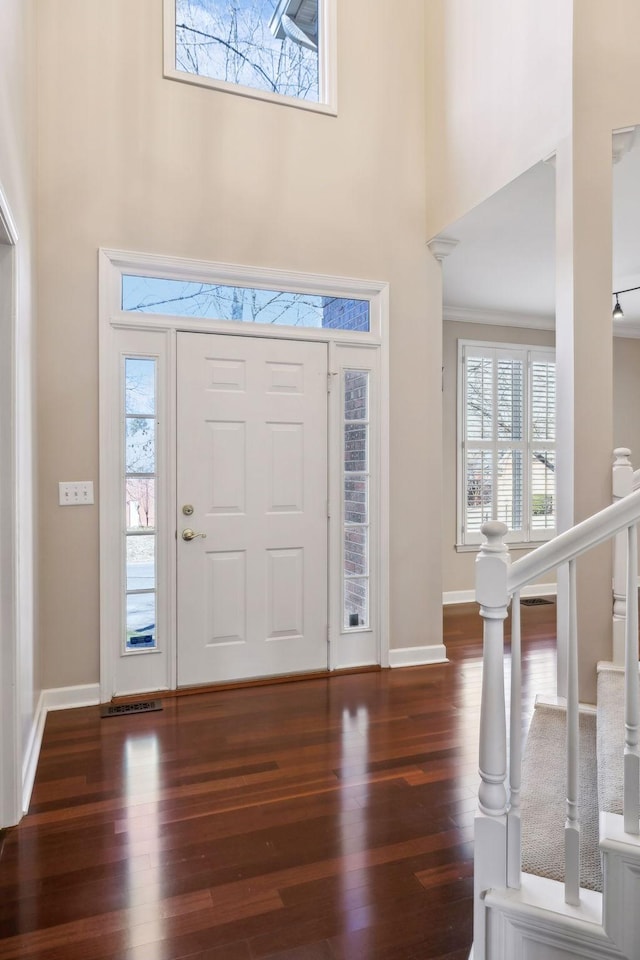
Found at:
(514, 832)
(622, 485)
(492, 566)
(572, 823)
(631, 696)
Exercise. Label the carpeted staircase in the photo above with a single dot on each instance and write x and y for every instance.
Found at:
(543, 793)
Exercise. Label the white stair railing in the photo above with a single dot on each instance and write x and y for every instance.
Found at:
(498, 583)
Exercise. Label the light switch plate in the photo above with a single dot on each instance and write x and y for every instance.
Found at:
(76, 493)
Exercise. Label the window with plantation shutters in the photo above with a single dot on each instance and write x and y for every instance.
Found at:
(506, 449)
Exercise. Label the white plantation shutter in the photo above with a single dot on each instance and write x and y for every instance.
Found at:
(542, 388)
(506, 466)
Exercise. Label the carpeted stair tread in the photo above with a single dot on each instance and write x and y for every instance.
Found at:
(610, 738)
(543, 796)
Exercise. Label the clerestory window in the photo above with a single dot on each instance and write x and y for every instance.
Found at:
(165, 296)
(272, 49)
(507, 441)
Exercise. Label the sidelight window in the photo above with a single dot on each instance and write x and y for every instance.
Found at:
(356, 517)
(140, 487)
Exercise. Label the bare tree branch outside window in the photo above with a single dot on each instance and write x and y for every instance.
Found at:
(242, 304)
(230, 40)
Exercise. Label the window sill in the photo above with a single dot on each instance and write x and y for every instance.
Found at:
(327, 106)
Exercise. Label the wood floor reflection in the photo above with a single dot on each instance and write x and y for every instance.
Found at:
(319, 820)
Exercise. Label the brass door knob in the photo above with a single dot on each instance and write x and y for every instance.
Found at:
(189, 534)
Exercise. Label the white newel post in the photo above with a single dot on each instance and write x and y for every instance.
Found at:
(490, 836)
(622, 486)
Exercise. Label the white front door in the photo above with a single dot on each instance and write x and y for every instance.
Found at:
(252, 478)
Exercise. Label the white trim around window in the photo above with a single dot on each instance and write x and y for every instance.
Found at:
(505, 441)
(136, 334)
(327, 102)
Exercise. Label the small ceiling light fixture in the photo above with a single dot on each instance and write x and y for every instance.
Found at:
(617, 310)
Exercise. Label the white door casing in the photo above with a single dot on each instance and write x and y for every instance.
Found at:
(10, 707)
(252, 465)
(125, 333)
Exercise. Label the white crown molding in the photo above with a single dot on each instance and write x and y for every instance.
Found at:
(205, 271)
(622, 142)
(497, 318)
(626, 329)
(441, 247)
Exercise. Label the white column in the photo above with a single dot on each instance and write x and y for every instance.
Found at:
(584, 356)
(631, 696)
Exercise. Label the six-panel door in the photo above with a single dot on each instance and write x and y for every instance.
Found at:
(252, 463)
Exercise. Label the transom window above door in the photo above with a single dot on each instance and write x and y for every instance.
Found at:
(183, 298)
(278, 50)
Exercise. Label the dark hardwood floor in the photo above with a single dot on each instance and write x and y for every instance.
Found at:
(319, 820)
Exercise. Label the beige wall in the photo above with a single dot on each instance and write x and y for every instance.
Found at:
(499, 96)
(130, 160)
(17, 183)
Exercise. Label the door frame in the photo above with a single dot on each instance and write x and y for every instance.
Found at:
(125, 333)
(10, 706)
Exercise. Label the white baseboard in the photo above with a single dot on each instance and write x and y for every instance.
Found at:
(64, 698)
(536, 922)
(56, 698)
(417, 656)
(469, 596)
(357, 649)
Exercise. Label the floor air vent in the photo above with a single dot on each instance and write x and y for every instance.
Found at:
(534, 601)
(123, 709)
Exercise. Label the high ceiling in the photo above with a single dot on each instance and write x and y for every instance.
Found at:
(504, 265)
